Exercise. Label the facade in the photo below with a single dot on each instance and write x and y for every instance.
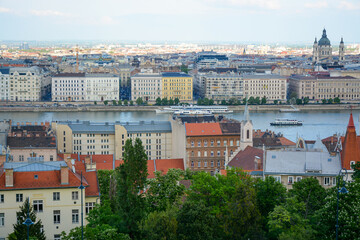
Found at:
(124, 72)
(222, 86)
(26, 84)
(146, 86)
(322, 50)
(86, 138)
(177, 85)
(323, 87)
(85, 87)
(52, 189)
(273, 87)
(4, 84)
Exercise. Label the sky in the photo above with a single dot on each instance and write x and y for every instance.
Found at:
(238, 21)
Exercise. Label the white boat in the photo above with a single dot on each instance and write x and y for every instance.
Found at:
(192, 112)
(208, 109)
(292, 109)
(286, 122)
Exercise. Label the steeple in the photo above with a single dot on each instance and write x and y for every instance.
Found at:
(342, 41)
(350, 149)
(324, 33)
(315, 41)
(246, 113)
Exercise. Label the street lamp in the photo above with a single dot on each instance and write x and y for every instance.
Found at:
(343, 176)
(28, 221)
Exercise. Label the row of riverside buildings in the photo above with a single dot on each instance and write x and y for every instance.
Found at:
(34, 84)
(47, 162)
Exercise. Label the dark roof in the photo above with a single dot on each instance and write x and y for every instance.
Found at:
(193, 119)
(27, 142)
(29, 128)
(70, 75)
(246, 159)
(175, 74)
(5, 70)
(230, 128)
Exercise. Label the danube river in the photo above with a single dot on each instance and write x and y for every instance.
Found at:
(315, 123)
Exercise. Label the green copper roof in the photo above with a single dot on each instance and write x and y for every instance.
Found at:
(324, 40)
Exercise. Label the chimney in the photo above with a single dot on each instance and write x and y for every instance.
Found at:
(9, 177)
(67, 157)
(87, 159)
(64, 175)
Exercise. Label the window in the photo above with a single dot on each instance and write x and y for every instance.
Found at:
(212, 143)
(247, 134)
(57, 237)
(75, 195)
(277, 178)
(1, 198)
(75, 216)
(192, 163)
(212, 153)
(326, 181)
(56, 216)
(212, 163)
(192, 143)
(51, 158)
(352, 163)
(290, 180)
(199, 164)
(2, 219)
(199, 154)
(205, 163)
(334, 181)
(56, 196)
(205, 143)
(199, 143)
(88, 207)
(231, 143)
(218, 153)
(218, 163)
(218, 143)
(298, 179)
(225, 143)
(38, 205)
(19, 197)
(205, 154)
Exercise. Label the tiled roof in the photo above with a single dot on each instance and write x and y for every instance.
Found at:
(246, 159)
(350, 146)
(87, 127)
(202, 129)
(196, 119)
(230, 128)
(286, 142)
(31, 142)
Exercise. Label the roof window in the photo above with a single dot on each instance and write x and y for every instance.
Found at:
(36, 176)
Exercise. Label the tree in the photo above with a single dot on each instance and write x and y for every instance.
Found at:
(131, 182)
(20, 229)
(184, 68)
(323, 101)
(125, 102)
(139, 101)
(106, 102)
(223, 102)
(95, 103)
(276, 102)
(164, 101)
(293, 95)
(98, 232)
(306, 100)
(244, 101)
(356, 174)
(114, 102)
(330, 101)
(263, 100)
(176, 101)
(171, 102)
(131, 103)
(196, 222)
(158, 101)
(251, 100)
(211, 101)
(257, 100)
(299, 101)
(119, 102)
(164, 190)
(337, 100)
(161, 225)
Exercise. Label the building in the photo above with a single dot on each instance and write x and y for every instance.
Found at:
(273, 87)
(177, 85)
(147, 86)
(322, 50)
(124, 72)
(222, 86)
(89, 138)
(85, 87)
(207, 59)
(27, 84)
(325, 87)
(52, 189)
(4, 84)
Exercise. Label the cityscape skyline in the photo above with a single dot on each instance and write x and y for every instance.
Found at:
(238, 21)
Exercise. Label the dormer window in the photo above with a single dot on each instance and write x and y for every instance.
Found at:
(352, 163)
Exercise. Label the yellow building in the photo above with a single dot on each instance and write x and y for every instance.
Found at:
(52, 189)
(177, 85)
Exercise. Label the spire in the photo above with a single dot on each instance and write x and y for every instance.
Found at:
(342, 41)
(351, 121)
(315, 40)
(350, 148)
(246, 113)
(324, 33)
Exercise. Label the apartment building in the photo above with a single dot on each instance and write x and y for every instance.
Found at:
(325, 87)
(27, 84)
(124, 72)
(177, 85)
(146, 86)
(273, 87)
(88, 138)
(53, 191)
(4, 84)
(222, 87)
(85, 87)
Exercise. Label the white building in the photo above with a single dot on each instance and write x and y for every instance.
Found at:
(146, 86)
(222, 86)
(85, 87)
(273, 87)
(26, 83)
(4, 84)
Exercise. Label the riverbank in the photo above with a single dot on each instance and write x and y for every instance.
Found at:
(97, 108)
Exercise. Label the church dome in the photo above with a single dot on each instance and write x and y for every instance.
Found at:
(324, 40)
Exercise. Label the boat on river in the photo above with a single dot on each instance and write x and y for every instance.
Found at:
(195, 108)
(292, 109)
(286, 122)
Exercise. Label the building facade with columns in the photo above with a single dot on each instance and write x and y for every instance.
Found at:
(322, 50)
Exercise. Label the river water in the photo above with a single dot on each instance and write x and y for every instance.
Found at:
(315, 123)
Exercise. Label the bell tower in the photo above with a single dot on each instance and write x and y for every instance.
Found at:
(246, 138)
(315, 58)
(341, 51)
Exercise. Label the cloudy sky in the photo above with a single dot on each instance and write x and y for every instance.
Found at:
(264, 21)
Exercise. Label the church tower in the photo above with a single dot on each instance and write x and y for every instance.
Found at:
(322, 50)
(315, 58)
(341, 51)
(350, 149)
(246, 138)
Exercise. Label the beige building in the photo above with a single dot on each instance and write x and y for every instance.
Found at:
(4, 84)
(273, 87)
(222, 86)
(52, 189)
(27, 84)
(87, 138)
(146, 86)
(124, 72)
(323, 87)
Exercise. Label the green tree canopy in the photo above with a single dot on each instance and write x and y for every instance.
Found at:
(263, 100)
(139, 101)
(158, 101)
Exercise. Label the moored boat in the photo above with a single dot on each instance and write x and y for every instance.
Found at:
(286, 122)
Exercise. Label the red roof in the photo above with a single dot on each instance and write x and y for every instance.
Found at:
(45, 179)
(350, 147)
(246, 159)
(286, 142)
(202, 129)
